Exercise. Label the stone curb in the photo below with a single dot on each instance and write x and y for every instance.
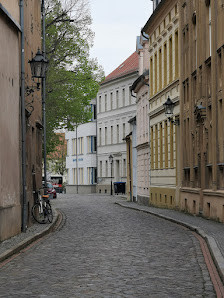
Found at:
(17, 248)
(210, 241)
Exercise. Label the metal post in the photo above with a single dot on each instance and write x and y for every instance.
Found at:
(24, 203)
(111, 186)
(77, 180)
(43, 98)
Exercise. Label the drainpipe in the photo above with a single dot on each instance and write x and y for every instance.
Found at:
(23, 120)
(43, 97)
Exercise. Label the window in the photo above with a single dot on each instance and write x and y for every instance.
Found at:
(74, 152)
(118, 136)
(81, 145)
(111, 135)
(101, 168)
(81, 176)
(106, 174)
(111, 100)
(210, 29)
(155, 74)
(75, 178)
(105, 135)
(171, 145)
(105, 102)
(123, 130)
(165, 65)
(123, 96)
(100, 137)
(124, 168)
(92, 175)
(160, 69)
(177, 55)
(166, 144)
(170, 60)
(161, 145)
(151, 77)
(91, 144)
(156, 146)
(152, 149)
(99, 104)
(93, 110)
(117, 99)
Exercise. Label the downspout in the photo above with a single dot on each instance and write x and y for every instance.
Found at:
(23, 119)
(43, 97)
(143, 34)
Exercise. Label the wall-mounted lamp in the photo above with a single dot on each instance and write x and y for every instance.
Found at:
(38, 66)
(169, 107)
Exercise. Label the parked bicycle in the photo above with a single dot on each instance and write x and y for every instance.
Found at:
(41, 210)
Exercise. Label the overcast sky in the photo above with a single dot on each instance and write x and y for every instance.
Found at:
(116, 24)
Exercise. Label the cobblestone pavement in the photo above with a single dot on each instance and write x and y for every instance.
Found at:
(103, 250)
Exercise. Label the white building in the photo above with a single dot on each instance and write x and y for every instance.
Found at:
(81, 156)
(115, 107)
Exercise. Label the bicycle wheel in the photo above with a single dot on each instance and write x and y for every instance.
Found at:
(39, 215)
(49, 213)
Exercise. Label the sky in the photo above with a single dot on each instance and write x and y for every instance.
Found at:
(116, 24)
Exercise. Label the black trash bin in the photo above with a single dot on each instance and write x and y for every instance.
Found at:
(119, 187)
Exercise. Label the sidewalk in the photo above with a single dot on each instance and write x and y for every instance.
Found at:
(211, 231)
(15, 244)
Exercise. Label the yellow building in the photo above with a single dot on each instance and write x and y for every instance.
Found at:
(162, 29)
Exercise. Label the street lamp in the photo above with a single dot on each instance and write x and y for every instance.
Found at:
(38, 66)
(169, 107)
(111, 162)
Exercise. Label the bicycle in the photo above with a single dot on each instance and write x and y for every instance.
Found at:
(41, 210)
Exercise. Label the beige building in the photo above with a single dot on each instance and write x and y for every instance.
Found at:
(10, 113)
(202, 120)
(162, 28)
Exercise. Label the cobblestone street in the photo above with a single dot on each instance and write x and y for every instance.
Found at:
(104, 250)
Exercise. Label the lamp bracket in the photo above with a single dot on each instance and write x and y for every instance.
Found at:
(175, 122)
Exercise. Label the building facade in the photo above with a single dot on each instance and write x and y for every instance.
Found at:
(81, 157)
(11, 200)
(115, 107)
(202, 121)
(162, 29)
(140, 89)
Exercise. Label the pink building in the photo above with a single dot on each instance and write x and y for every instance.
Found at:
(141, 87)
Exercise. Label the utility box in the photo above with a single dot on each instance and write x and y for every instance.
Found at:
(119, 187)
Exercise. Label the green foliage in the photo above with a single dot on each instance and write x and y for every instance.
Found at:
(72, 77)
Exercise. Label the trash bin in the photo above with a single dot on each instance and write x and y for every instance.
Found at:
(119, 187)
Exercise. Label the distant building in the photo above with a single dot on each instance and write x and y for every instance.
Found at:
(81, 156)
(115, 107)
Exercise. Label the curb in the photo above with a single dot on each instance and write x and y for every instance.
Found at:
(216, 254)
(17, 248)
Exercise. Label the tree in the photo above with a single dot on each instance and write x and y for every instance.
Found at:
(72, 78)
(57, 159)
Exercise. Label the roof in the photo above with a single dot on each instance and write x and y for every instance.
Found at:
(129, 66)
